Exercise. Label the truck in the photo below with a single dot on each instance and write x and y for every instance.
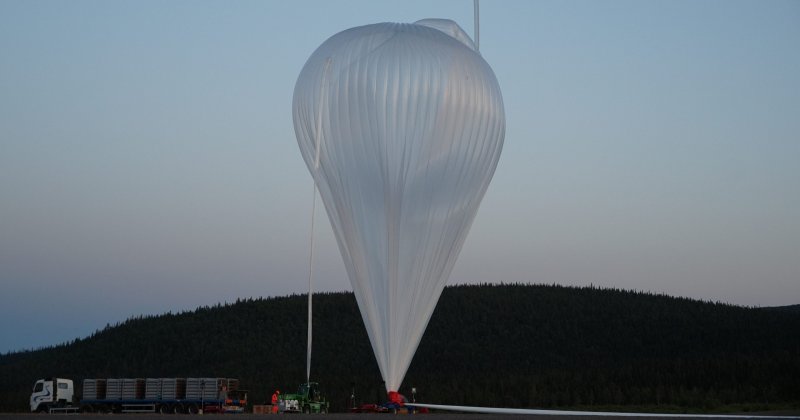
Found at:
(308, 399)
(140, 395)
(55, 394)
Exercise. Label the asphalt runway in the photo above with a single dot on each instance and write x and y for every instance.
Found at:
(348, 416)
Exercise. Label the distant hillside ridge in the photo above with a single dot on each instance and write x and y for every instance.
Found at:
(788, 308)
(507, 345)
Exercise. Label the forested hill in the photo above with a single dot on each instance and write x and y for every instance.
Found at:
(489, 345)
(790, 308)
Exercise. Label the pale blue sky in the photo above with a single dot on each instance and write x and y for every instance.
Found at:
(148, 160)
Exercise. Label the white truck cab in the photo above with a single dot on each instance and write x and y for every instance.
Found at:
(51, 393)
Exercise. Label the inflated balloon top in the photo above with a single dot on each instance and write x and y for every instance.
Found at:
(401, 126)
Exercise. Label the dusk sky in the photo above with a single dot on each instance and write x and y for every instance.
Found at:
(148, 161)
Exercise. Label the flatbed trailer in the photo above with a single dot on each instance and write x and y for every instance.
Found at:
(139, 395)
(160, 406)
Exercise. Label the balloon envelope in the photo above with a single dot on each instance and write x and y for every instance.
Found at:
(401, 126)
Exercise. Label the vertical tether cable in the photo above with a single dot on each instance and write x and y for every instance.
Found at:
(476, 8)
(310, 276)
(320, 108)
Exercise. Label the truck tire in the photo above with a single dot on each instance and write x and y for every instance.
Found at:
(165, 409)
(192, 409)
(87, 408)
(177, 409)
(306, 409)
(323, 409)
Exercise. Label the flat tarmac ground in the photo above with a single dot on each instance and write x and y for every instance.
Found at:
(348, 416)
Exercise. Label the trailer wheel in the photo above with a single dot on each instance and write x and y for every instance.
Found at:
(165, 409)
(192, 409)
(177, 409)
(87, 408)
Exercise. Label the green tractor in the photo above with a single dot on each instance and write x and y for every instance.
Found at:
(308, 399)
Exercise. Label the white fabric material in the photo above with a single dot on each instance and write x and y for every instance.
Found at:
(525, 411)
(412, 125)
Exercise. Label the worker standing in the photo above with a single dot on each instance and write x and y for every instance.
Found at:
(275, 401)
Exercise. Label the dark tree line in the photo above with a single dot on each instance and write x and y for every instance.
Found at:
(488, 345)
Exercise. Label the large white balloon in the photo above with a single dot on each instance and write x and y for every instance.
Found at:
(401, 126)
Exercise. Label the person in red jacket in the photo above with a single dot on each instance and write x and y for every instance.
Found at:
(275, 401)
(397, 398)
